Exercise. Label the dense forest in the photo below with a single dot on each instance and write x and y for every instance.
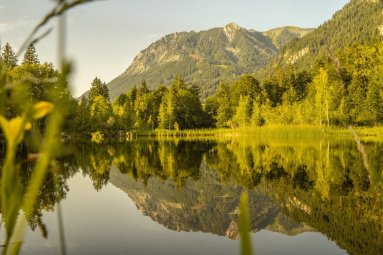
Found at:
(341, 89)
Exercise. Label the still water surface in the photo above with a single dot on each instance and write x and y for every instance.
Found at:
(181, 197)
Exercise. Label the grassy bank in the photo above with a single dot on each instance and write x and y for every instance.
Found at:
(268, 131)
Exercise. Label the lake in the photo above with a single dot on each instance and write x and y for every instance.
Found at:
(173, 196)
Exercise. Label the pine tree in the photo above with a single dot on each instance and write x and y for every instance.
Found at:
(166, 116)
(320, 83)
(243, 113)
(257, 118)
(100, 111)
(121, 99)
(30, 56)
(374, 104)
(162, 116)
(98, 88)
(8, 57)
(178, 83)
(143, 88)
(224, 111)
(132, 94)
(170, 112)
(246, 86)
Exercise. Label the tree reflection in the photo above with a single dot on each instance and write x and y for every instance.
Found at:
(195, 185)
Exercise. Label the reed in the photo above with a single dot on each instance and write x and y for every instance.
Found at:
(277, 131)
(18, 205)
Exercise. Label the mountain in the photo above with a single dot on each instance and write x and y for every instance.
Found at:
(204, 58)
(208, 57)
(359, 21)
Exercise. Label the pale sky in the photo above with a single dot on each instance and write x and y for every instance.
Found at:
(105, 36)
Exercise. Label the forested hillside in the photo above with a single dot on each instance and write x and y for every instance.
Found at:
(360, 21)
(204, 58)
(283, 35)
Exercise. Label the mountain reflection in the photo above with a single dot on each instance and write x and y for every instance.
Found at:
(294, 187)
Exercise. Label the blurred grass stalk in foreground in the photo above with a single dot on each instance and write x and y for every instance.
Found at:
(244, 225)
(16, 205)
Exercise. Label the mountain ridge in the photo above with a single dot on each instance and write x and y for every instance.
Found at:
(204, 57)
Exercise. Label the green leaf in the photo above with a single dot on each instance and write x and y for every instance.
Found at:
(41, 109)
(13, 129)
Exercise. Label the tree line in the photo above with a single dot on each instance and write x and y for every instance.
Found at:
(343, 88)
(339, 90)
(176, 107)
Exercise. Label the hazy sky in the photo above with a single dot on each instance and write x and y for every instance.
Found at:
(104, 36)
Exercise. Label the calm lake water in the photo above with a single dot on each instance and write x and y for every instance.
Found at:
(315, 196)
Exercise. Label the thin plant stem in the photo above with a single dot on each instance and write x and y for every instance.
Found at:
(61, 229)
(39, 173)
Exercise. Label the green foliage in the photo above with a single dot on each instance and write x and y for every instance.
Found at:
(321, 86)
(98, 88)
(243, 113)
(146, 107)
(246, 86)
(257, 118)
(181, 107)
(224, 111)
(30, 56)
(283, 35)
(97, 137)
(123, 112)
(210, 107)
(358, 22)
(8, 57)
(166, 116)
(178, 107)
(100, 109)
(345, 89)
(38, 80)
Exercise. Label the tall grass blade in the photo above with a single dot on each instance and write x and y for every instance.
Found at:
(244, 225)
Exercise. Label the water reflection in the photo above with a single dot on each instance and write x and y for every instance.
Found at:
(295, 186)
